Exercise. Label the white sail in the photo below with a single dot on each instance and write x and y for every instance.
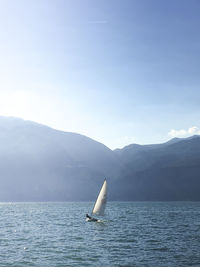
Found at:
(100, 204)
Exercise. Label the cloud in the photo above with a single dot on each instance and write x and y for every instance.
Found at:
(194, 130)
(184, 133)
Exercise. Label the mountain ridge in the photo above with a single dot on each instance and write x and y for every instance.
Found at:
(39, 163)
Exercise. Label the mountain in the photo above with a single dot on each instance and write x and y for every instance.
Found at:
(38, 163)
(168, 171)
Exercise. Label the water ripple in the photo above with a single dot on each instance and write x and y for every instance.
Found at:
(132, 234)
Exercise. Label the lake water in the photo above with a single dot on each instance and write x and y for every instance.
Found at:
(132, 234)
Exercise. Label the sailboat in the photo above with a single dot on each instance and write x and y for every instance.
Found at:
(100, 203)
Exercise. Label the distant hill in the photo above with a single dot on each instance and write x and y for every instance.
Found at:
(169, 171)
(38, 163)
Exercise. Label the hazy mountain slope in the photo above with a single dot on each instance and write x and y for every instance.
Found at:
(40, 163)
(166, 172)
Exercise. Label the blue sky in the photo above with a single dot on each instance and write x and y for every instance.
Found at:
(117, 71)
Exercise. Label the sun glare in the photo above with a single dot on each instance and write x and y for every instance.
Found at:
(17, 104)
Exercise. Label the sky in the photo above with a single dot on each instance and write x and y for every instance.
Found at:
(119, 72)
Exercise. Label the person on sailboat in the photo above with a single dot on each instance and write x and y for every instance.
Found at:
(89, 218)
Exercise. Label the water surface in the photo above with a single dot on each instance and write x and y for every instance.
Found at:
(132, 234)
